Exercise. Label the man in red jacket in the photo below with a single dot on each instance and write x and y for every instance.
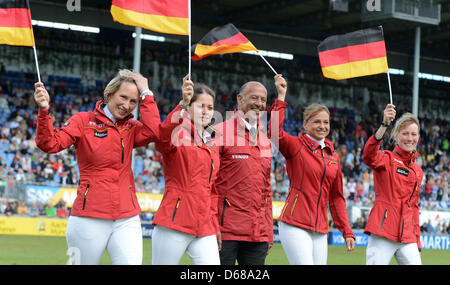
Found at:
(243, 183)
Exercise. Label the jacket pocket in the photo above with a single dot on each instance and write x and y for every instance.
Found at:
(293, 205)
(225, 203)
(85, 196)
(384, 217)
(176, 208)
(284, 209)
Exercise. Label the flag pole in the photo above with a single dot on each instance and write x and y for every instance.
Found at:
(267, 62)
(387, 72)
(189, 30)
(36, 61)
(390, 90)
(34, 45)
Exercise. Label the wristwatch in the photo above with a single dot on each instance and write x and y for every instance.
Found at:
(145, 93)
(182, 106)
(383, 124)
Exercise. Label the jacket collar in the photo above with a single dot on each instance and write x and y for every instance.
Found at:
(406, 157)
(99, 110)
(240, 122)
(189, 127)
(314, 145)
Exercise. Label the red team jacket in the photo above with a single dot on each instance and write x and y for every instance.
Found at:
(397, 179)
(315, 182)
(243, 183)
(106, 186)
(190, 166)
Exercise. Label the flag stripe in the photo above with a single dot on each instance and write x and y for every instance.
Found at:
(16, 36)
(169, 8)
(354, 38)
(15, 17)
(8, 4)
(352, 53)
(356, 68)
(162, 24)
(220, 33)
(202, 51)
(234, 40)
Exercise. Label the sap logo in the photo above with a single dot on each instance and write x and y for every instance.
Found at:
(373, 5)
(73, 5)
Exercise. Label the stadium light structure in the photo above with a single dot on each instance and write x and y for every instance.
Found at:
(151, 37)
(396, 71)
(273, 54)
(64, 26)
(421, 75)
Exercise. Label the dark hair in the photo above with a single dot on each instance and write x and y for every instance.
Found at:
(200, 88)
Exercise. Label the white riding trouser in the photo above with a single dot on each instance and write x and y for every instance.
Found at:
(168, 247)
(87, 239)
(380, 251)
(303, 247)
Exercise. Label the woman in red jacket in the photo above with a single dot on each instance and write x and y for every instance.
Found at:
(105, 214)
(315, 176)
(186, 220)
(393, 223)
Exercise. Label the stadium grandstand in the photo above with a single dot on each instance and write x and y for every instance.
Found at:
(80, 48)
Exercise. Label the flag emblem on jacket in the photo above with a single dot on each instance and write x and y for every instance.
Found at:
(354, 54)
(15, 23)
(220, 40)
(164, 16)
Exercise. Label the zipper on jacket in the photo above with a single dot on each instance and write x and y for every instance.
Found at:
(176, 208)
(293, 205)
(225, 203)
(320, 192)
(123, 148)
(401, 232)
(384, 217)
(210, 173)
(414, 190)
(85, 196)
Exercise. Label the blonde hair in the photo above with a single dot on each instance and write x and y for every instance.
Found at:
(405, 120)
(313, 109)
(122, 76)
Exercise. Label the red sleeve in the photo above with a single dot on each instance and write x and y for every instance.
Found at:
(372, 155)
(148, 129)
(164, 143)
(286, 142)
(338, 207)
(52, 140)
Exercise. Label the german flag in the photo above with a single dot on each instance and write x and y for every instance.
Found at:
(220, 40)
(15, 23)
(355, 54)
(163, 16)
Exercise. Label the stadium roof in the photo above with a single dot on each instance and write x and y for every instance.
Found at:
(305, 19)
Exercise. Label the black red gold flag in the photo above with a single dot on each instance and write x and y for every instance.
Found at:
(221, 40)
(164, 16)
(15, 23)
(354, 54)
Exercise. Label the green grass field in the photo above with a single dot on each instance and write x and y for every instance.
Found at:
(40, 250)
